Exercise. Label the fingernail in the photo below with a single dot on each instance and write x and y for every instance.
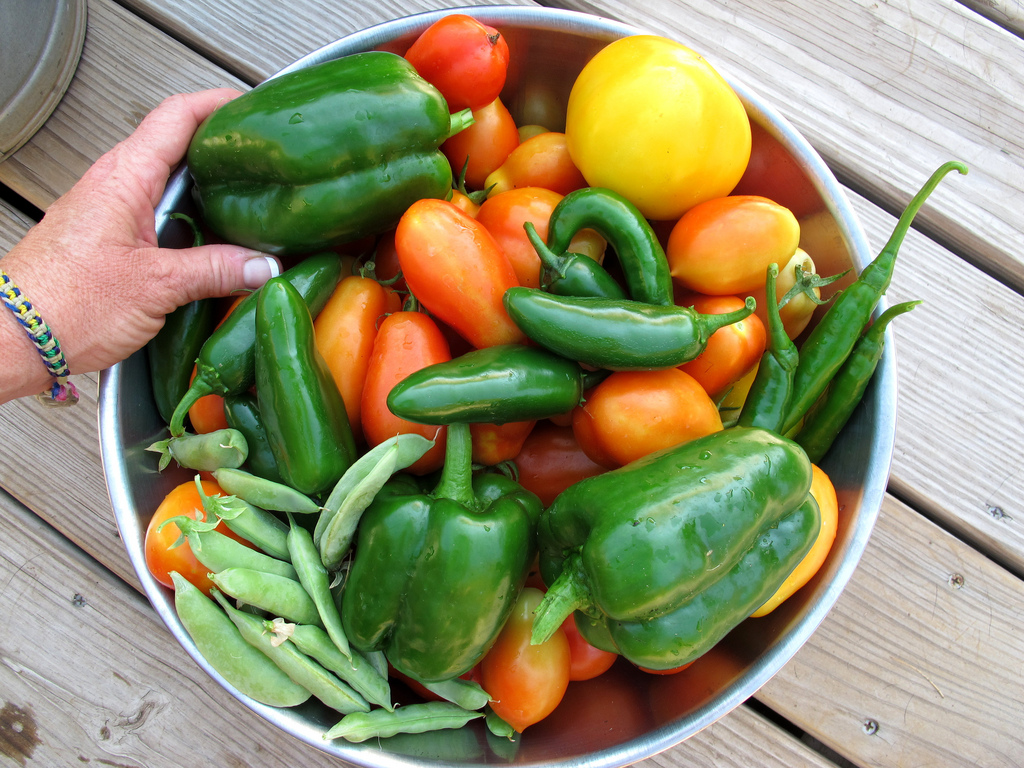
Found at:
(258, 270)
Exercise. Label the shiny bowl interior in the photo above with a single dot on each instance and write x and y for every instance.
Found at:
(625, 715)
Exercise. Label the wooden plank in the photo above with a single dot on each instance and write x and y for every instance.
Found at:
(908, 666)
(132, 692)
(886, 92)
(255, 38)
(127, 68)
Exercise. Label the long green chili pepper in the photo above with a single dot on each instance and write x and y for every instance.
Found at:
(572, 274)
(618, 335)
(832, 339)
(243, 413)
(172, 352)
(826, 419)
(618, 221)
(768, 400)
(227, 361)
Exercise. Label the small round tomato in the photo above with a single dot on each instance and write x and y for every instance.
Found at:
(504, 214)
(483, 146)
(540, 161)
(585, 661)
(162, 556)
(773, 171)
(466, 60)
(725, 246)
(633, 413)
(526, 682)
(731, 351)
(551, 460)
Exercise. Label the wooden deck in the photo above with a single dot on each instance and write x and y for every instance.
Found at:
(920, 663)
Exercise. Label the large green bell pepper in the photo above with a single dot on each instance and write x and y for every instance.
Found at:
(435, 574)
(663, 557)
(323, 155)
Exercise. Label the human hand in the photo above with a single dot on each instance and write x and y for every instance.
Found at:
(92, 267)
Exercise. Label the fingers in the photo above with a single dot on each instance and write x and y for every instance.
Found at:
(216, 270)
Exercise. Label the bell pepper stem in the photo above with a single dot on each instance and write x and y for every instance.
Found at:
(460, 121)
(456, 481)
(568, 593)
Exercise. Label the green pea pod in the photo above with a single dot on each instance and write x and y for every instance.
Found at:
(495, 385)
(412, 718)
(255, 525)
(243, 413)
(572, 274)
(832, 339)
(630, 235)
(303, 670)
(265, 494)
(227, 361)
(618, 335)
(355, 669)
(465, 693)
(357, 488)
(313, 575)
(205, 452)
(277, 595)
(219, 641)
(303, 412)
(826, 419)
(767, 402)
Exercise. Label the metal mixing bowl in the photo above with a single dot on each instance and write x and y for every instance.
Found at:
(625, 715)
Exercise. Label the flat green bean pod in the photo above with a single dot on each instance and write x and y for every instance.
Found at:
(302, 670)
(356, 670)
(464, 693)
(316, 581)
(266, 494)
(206, 452)
(277, 595)
(220, 642)
(412, 718)
(218, 552)
(255, 525)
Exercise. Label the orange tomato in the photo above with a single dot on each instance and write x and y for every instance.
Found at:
(485, 144)
(825, 494)
(585, 661)
(633, 413)
(732, 351)
(495, 443)
(504, 214)
(725, 245)
(207, 413)
(539, 161)
(551, 460)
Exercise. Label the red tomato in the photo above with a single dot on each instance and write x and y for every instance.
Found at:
(485, 144)
(633, 413)
(732, 351)
(405, 343)
(454, 267)
(464, 59)
(724, 246)
(504, 214)
(585, 661)
(495, 443)
(539, 161)
(551, 460)
(772, 171)
(526, 682)
(162, 556)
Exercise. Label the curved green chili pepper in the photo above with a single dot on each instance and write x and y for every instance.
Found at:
(172, 352)
(619, 335)
(305, 418)
(227, 362)
(495, 385)
(825, 420)
(767, 401)
(832, 339)
(243, 413)
(618, 221)
(572, 274)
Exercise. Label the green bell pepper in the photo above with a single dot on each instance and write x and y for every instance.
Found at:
(323, 155)
(495, 385)
(664, 556)
(435, 574)
(303, 412)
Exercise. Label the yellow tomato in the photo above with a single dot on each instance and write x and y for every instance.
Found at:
(825, 494)
(652, 120)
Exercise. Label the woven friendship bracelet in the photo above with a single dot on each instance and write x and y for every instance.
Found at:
(61, 392)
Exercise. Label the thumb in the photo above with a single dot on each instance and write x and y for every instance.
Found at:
(220, 269)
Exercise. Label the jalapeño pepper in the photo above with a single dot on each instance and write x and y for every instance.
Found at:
(323, 155)
(435, 574)
(227, 361)
(619, 335)
(665, 555)
(303, 413)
